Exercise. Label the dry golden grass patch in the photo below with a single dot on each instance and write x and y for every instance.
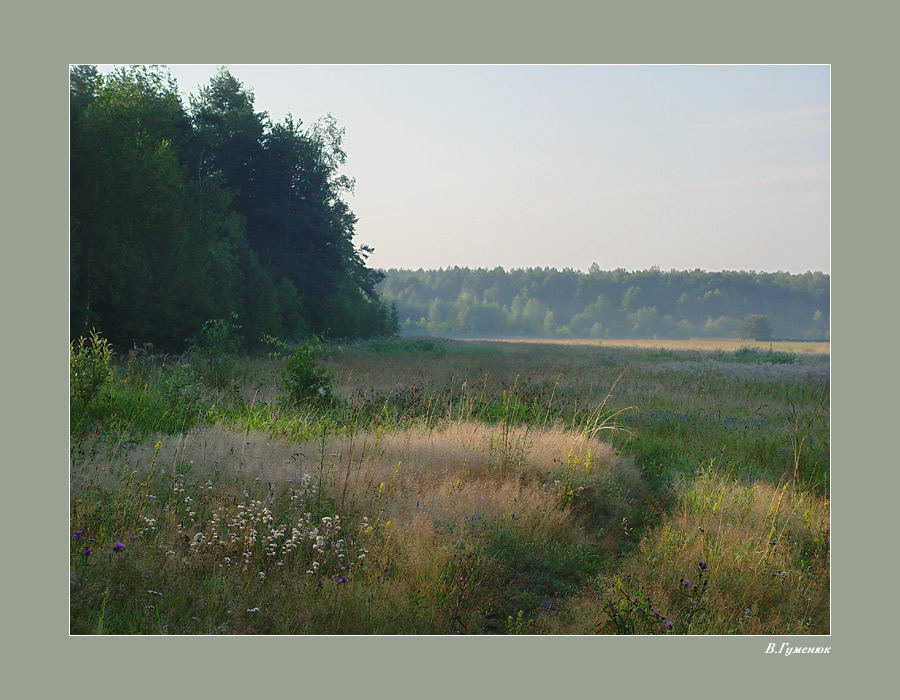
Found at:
(410, 462)
(767, 551)
(698, 344)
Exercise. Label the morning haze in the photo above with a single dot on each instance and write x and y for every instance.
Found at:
(681, 167)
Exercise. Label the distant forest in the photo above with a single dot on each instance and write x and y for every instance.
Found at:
(549, 303)
(180, 214)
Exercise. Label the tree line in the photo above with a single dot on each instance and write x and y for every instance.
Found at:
(550, 303)
(184, 213)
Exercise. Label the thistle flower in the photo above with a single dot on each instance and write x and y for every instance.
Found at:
(77, 534)
(118, 546)
(87, 551)
(343, 579)
(703, 566)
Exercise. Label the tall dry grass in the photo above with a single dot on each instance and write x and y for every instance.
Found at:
(765, 554)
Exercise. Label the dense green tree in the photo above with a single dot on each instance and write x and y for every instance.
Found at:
(178, 216)
(756, 327)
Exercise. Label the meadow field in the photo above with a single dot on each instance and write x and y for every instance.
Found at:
(426, 486)
(804, 347)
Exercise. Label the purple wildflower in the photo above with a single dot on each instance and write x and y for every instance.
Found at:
(118, 546)
(656, 612)
(77, 534)
(687, 583)
(87, 551)
(343, 579)
(668, 624)
(703, 566)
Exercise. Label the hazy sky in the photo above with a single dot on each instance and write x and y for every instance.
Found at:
(711, 167)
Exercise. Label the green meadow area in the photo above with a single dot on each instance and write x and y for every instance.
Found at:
(427, 486)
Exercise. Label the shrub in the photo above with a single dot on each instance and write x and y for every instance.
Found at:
(304, 376)
(213, 351)
(90, 373)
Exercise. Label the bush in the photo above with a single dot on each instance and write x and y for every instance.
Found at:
(304, 376)
(90, 373)
(213, 351)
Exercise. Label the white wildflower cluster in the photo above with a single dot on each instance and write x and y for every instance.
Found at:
(331, 552)
(305, 491)
(245, 535)
(149, 526)
(327, 546)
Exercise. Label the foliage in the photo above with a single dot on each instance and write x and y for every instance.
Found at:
(629, 610)
(181, 215)
(756, 327)
(304, 376)
(747, 354)
(544, 302)
(214, 351)
(90, 373)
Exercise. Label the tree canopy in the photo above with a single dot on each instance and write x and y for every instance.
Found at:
(179, 215)
(550, 303)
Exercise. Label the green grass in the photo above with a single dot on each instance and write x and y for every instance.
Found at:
(489, 488)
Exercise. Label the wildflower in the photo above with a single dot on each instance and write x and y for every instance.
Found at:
(656, 612)
(343, 579)
(703, 566)
(668, 624)
(687, 583)
(87, 551)
(77, 534)
(118, 546)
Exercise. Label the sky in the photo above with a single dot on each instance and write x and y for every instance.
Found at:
(680, 167)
